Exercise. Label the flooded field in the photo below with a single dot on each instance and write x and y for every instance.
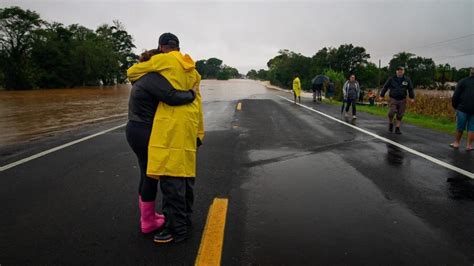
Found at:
(29, 115)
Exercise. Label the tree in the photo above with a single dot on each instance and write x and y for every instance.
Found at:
(460, 74)
(367, 74)
(16, 29)
(347, 58)
(213, 68)
(284, 66)
(50, 56)
(400, 59)
(443, 74)
(252, 74)
(262, 74)
(421, 71)
(122, 45)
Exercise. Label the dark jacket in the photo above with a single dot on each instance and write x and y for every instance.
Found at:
(146, 94)
(463, 97)
(398, 88)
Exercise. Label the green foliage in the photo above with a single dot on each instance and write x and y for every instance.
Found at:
(16, 28)
(252, 74)
(460, 74)
(213, 68)
(262, 74)
(421, 70)
(50, 55)
(283, 67)
(400, 59)
(427, 121)
(345, 59)
(367, 74)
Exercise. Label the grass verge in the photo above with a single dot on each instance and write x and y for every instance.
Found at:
(438, 124)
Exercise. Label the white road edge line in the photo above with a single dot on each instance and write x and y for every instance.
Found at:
(425, 156)
(22, 161)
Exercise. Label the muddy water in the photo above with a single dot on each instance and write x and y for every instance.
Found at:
(29, 115)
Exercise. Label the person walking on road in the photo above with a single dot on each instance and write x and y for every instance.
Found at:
(145, 96)
(176, 133)
(463, 102)
(398, 85)
(351, 91)
(317, 88)
(297, 87)
(330, 90)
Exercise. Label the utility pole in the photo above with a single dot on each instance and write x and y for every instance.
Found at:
(378, 80)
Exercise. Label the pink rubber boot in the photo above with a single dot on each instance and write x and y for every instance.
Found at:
(150, 221)
(157, 215)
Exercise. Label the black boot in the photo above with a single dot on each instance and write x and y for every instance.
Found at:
(397, 131)
(390, 127)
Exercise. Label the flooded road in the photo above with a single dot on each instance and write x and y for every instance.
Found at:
(31, 115)
(344, 196)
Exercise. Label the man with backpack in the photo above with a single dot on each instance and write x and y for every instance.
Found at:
(351, 91)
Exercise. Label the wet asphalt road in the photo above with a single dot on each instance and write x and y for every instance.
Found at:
(302, 190)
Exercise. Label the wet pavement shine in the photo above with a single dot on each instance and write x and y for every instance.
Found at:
(302, 190)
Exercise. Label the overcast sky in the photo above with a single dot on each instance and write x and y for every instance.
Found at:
(246, 34)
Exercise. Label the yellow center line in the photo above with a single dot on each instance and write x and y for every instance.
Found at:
(239, 106)
(210, 250)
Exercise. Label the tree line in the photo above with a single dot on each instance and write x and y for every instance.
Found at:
(35, 53)
(213, 68)
(38, 54)
(339, 63)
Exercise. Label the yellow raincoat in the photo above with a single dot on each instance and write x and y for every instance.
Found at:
(297, 86)
(172, 146)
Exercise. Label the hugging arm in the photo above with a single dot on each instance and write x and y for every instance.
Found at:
(163, 90)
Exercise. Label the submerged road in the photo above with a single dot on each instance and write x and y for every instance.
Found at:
(302, 189)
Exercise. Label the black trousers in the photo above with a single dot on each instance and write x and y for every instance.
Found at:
(138, 135)
(349, 103)
(178, 199)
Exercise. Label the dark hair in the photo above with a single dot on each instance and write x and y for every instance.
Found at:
(145, 56)
(171, 45)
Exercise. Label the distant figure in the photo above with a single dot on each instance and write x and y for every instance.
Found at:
(398, 86)
(297, 87)
(371, 96)
(463, 102)
(361, 94)
(351, 92)
(317, 88)
(330, 90)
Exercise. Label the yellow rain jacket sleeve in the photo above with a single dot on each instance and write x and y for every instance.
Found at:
(172, 145)
(297, 86)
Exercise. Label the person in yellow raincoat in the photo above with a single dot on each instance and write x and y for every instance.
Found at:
(297, 87)
(176, 133)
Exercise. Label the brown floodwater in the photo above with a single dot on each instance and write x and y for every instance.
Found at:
(29, 115)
